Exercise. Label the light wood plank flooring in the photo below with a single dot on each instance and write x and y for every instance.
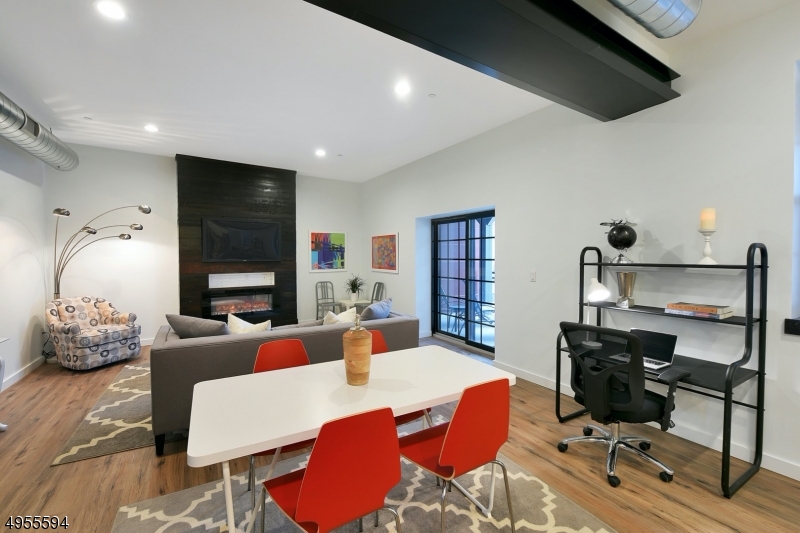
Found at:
(44, 409)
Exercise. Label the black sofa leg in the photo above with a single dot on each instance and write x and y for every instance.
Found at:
(160, 439)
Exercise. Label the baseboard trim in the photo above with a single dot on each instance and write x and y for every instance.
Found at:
(768, 462)
(22, 372)
(146, 342)
(427, 333)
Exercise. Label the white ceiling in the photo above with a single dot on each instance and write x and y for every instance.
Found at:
(261, 82)
(264, 82)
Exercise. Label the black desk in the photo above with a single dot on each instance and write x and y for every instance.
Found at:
(705, 374)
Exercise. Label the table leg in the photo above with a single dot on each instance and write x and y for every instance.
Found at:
(226, 482)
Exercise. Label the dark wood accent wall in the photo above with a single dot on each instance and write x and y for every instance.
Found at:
(207, 187)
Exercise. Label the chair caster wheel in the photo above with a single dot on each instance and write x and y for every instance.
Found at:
(644, 446)
(587, 432)
(562, 447)
(666, 478)
(613, 481)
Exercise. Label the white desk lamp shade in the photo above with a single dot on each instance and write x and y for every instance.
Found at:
(597, 291)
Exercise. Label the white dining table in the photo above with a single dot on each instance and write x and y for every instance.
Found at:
(239, 416)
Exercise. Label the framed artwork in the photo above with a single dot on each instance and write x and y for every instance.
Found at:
(327, 251)
(385, 253)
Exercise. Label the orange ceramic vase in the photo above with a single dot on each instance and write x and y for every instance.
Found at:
(357, 343)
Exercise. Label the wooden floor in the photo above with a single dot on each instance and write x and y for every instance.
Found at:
(43, 410)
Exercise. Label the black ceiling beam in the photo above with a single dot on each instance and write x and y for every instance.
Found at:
(552, 48)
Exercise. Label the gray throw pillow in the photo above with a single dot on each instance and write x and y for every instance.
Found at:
(189, 327)
(377, 310)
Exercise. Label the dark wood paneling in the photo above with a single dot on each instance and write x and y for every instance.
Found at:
(207, 187)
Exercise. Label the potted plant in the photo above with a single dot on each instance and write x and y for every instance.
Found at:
(354, 286)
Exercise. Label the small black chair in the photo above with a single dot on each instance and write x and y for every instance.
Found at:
(614, 391)
(378, 290)
(325, 299)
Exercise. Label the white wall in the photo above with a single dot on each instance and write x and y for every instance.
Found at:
(554, 175)
(328, 205)
(139, 275)
(22, 265)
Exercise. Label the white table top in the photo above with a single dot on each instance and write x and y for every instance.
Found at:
(238, 416)
(357, 302)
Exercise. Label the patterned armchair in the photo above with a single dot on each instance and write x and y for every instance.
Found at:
(89, 332)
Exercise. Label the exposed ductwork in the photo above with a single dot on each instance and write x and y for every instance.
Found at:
(19, 128)
(662, 18)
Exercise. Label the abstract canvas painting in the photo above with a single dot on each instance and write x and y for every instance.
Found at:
(385, 253)
(327, 251)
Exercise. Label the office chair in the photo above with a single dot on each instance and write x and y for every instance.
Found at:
(614, 392)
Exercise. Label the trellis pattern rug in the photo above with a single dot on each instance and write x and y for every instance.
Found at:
(537, 507)
(119, 421)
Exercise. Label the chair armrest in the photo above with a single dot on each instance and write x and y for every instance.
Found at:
(670, 377)
(120, 318)
(673, 375)
(67, 328)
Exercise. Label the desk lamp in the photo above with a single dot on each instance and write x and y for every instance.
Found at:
(597, 292)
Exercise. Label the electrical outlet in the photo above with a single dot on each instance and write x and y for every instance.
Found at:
(533, 275)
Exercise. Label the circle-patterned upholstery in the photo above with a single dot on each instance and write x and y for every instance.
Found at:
(89, 332)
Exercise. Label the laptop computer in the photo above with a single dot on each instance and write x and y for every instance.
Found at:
(658, 349)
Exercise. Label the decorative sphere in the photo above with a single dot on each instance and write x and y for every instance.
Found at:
(621, 237)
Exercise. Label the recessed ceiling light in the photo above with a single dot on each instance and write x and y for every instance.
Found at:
(110, 9)
(152, 128)
(320, 153)
(402, 88)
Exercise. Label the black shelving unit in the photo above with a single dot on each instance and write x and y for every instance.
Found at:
(711, 376)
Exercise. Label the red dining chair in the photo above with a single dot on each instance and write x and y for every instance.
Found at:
(353, 466)
(471, 439)
(379, 346)
(275, 355)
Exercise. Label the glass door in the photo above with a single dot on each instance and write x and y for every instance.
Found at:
(463, 278)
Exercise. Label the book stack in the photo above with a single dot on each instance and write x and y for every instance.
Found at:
(699, 310)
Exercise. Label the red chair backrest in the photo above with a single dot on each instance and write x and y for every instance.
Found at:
(478, 428)
(284, 353)
(378, 342)
(354, 464)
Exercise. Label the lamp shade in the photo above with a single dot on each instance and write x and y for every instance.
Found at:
(597, 291)
(137, 227)
(60, 212)
(125, 237)
(145, 209)
(90, 230)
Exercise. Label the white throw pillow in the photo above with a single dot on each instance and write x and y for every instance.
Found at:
(347, 316)
(237, 325)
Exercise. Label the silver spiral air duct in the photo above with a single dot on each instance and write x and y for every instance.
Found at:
(19, 128)
(662, 18)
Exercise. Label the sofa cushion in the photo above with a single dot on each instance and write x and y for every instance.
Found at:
(189, 327)
(377, 310)
(104, 335)
(347, 316)
(237, 325)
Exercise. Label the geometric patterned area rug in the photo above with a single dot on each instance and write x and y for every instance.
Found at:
(119, 421)
(537, 507)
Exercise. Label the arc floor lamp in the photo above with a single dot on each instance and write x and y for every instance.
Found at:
(70, 248)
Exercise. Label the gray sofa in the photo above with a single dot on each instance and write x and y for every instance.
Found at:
(176, 364)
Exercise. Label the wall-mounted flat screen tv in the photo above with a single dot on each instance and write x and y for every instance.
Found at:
(240, 239)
